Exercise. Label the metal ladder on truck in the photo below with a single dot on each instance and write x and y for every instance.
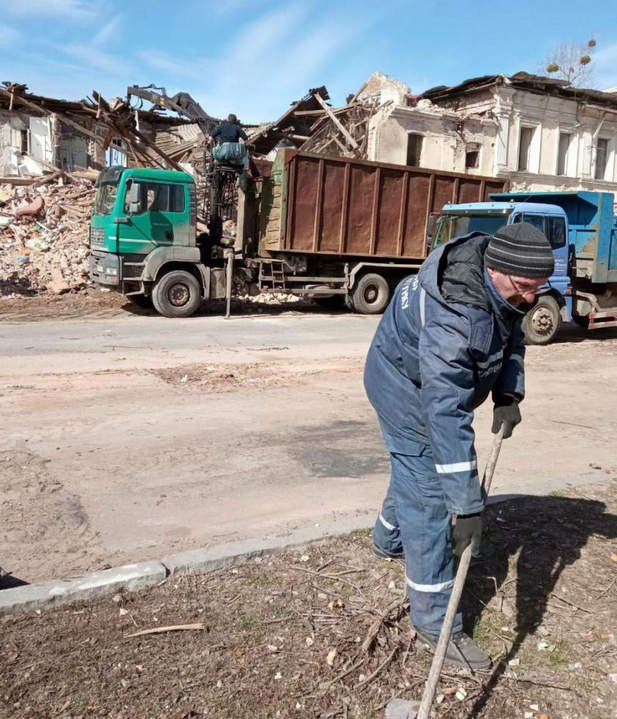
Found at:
(272, 275)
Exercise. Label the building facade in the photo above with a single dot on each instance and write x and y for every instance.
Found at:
(538, 132)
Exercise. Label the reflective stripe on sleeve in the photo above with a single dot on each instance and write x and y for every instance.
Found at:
(422, 304)
(441, 587)
(456, 467)
(387, 525)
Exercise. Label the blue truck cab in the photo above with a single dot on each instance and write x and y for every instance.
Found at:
(582, 230)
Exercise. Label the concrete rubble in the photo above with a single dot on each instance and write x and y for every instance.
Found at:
(44, 237)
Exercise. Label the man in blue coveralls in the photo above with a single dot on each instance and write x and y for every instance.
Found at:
(450, 336)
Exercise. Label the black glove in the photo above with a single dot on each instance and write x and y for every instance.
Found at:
(467, 530)
(506, 412)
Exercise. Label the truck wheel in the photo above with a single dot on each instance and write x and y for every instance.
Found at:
(371, 294)
(541, 324)
(177, 294)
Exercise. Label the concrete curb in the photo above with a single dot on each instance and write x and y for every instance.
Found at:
(129, 577)
(132, 577)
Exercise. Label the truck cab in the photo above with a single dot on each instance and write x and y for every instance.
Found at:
(143, 240)
(553, 302)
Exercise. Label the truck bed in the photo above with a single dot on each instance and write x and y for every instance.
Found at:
(355, 208)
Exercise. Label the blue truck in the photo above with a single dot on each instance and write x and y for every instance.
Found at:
(581, 227)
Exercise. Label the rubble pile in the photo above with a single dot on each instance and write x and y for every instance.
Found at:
(44, 237)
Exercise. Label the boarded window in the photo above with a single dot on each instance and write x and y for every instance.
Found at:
(524, 147)
(601, 158)
(562, 153)
(414, 149)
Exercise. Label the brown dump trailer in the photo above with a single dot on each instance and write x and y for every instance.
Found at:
(338, 228)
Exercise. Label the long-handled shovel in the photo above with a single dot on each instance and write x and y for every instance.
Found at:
(461, 575)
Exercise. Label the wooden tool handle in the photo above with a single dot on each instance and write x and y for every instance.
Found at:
(459, 582)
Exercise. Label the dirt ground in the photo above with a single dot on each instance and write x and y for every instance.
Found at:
(323, 631)
(94, 302)
(130, 437)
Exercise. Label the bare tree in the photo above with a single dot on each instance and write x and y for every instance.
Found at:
(573, 63)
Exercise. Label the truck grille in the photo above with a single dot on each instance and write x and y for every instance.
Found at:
(97, 237)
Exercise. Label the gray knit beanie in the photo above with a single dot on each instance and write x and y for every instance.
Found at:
(520, 250)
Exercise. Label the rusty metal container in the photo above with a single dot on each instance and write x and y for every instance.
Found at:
(355, 208)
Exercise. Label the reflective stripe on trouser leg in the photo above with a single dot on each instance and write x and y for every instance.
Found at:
(425, 527)
(386, 534)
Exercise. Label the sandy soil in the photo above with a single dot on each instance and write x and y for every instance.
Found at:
(124, 443)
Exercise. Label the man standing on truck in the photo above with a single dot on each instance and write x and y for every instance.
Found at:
(449, 337)
(229, 149)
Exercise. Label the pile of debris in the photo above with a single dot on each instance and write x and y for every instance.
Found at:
(44, 235)
(312, 125)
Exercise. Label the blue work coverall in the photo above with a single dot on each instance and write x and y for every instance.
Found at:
(446, 341)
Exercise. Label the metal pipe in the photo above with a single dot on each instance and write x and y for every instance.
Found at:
(230, 271)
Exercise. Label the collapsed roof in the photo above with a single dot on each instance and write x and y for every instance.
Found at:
(522, 81)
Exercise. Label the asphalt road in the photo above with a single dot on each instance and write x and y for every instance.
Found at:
(131, 437)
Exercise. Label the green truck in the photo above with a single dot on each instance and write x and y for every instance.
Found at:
(330, 228)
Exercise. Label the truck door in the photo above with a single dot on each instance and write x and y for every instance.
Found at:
(155, 218)
(554, 227)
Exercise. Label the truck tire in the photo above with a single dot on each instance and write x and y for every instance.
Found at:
(176, 294)
(371, 294)
(541, 324)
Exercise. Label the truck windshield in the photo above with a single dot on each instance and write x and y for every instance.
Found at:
(105, 197)
(456, 225)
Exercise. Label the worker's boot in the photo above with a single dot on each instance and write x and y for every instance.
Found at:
(462, 651)
(383, 554)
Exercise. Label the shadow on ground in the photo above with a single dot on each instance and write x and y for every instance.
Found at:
(529, 543)
(245, 308)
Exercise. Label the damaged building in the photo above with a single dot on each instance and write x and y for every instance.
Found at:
(39, 134)
(538, 132)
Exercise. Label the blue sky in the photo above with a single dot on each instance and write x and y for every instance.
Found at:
(253, 58)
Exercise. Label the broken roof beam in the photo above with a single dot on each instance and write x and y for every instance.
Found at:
(45, 111)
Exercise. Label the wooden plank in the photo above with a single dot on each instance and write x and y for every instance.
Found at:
(337, 122)
(318, 205)
(402, 215)
(455, 187)
(482, 190)
(344, 208)
(76, 126)
(17, 180)
(308, 112)
(291, 204)
(341, 147)
(375, 211)
(429, 208)
(45, 111)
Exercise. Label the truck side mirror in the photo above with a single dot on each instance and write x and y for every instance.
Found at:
(134, 199)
